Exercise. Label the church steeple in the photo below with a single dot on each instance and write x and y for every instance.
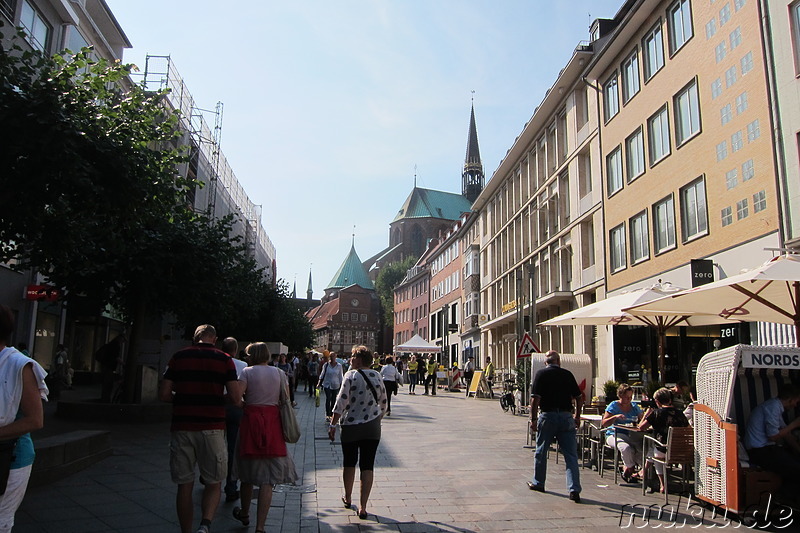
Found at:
(309, 292)
(472, 178)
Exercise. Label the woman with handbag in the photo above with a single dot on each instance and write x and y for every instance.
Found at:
(261, 455)
(20, 413)
(359, 408)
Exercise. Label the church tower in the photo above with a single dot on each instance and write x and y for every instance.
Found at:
(472, 178)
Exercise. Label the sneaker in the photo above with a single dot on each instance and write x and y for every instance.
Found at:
(575, 496)
(203, 529)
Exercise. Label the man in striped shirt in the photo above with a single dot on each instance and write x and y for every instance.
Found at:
(195, 382)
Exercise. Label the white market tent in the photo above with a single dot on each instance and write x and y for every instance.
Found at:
(418, 344)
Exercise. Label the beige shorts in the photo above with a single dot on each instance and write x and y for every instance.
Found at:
(207, 449)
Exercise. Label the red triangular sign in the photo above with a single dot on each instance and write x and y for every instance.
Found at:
(527, 347)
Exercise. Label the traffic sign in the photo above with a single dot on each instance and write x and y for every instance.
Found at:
(527, 347)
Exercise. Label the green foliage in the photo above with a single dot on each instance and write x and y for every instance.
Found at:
(523, 369)
(610, 390)
(651, 387)
(390, 277)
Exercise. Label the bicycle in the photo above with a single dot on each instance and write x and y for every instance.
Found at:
(507, 400)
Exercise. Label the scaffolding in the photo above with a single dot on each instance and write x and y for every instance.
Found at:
(225, 195)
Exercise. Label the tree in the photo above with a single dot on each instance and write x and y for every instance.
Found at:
(390, 277)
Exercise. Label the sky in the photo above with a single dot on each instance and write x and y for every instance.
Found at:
(332, 108)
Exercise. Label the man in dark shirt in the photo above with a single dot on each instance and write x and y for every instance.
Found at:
(553, 391)
(195, 382)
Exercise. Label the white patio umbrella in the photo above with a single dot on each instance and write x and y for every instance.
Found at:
(418, 344)
(611, 311)
(769, 293)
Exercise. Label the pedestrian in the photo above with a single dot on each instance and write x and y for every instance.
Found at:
(390, 376)
(297, 374)
(330, 379)
(431, 379)
(261, 458)
(469, 371)
(20, 413)
(553, 391)
(233, 417)
(195, 382)
(284, 363)
(360, 423)
(661, 419)
(629, 443)
(110, 357)
(490, 376)
(413, 373)
(313, 374)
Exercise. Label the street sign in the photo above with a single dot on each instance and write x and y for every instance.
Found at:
(42, 293)
(527, 347)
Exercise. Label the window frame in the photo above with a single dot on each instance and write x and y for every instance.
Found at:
(669, 202)
(642, 237)
(663, 111)
(611, 81)
(682, 137)
(615, 155)
(30, 33)
(616, 248)
(699, 212)
(632, 60)
(678, 6)
(655, 35)
(638, 132)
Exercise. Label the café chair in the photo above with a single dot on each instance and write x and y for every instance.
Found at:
(680, 452)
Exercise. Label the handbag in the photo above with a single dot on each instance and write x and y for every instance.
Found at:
(316, 397)
(289, 425)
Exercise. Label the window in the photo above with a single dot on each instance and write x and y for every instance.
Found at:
(753, 131)
(680, 24)
(722, 151)
(795, 29)
(640, 240)
(727, 216)
(694, 221)
(720, 51)
(741, 209)
(748, 170)
(611, 97)
(630, 76)
(741, 103)
(664, 225)
(747, 63)
(36, 29)
(353, 317)
(716, 88)
(759, 201)
(658, 136)
(739, 4)
(618, 252)
(711, 28)
(731, 179)
(736, 38)
(687, 114)
(614, 170)
(730, 76)
(346, 317)
(653, 51)
(634, 155)
(736, 141)
(726, 114)
(724, 15)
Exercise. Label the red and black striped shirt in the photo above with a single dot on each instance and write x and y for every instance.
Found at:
(199, 374)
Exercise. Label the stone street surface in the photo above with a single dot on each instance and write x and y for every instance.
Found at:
(445, 463)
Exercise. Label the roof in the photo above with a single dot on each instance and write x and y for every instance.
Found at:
(351, 273)
(473, 157)
(427, 203)
(319, 315)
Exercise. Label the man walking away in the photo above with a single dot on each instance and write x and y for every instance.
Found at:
(469, 371)
(554, 390)
(195, 382)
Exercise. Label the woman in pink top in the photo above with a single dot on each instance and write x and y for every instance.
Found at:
(261, 455)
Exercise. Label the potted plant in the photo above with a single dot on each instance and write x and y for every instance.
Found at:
(610, 390)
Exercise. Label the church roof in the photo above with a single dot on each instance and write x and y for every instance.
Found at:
(427, 203)
(473, 156)
(351, 273)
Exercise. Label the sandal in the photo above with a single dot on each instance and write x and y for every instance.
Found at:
(347, 503)
(244, 518)
(362, 514)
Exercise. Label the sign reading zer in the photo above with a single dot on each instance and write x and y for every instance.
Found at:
(766, 358)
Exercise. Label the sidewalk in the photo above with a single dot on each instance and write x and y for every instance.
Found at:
(445, 463)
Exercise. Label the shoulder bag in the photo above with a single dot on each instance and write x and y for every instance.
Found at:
(289, 425)
(369, 384)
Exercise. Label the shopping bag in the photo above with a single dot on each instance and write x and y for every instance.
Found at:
(316, 397)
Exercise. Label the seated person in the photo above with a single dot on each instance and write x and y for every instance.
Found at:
(623, 411)
(767, 430)
(661, 419)
(680, 392)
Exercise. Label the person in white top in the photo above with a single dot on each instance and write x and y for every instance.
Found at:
(359, 408)
(390, 376)
(330, 379)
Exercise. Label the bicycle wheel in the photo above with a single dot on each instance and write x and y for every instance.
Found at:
(504, 404)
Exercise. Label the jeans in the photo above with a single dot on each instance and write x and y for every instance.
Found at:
(559, 425)
(330, 400)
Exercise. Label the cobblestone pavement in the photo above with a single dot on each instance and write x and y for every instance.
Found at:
(445, 463)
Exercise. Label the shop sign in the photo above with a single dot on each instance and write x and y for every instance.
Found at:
(771, 358)
(702, 271)
(509, 306)
(42, 293)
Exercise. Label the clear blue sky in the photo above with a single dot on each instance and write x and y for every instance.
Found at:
(329, 106)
